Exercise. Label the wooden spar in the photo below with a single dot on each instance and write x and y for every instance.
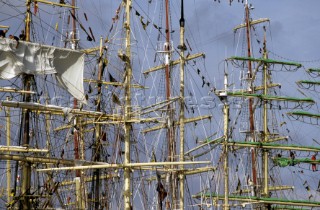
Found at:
(89, 179)
(157, 107)
(158, 127)
(20, 149)
(59, 110)
(171, 100)
(262, 60)
(252, 22)
(133, 120)
(186, 172)
(208, 142)
(14, 90)
(253, 199)
(100, 81)
(277, 138)
(57, 4)
(129, 165)
(273, 146)
(2, 26)
(176, 62)
(56, 110)
(242, 93)
(47, 160)
(304, 114)
(263, 145)
(127, 112)
(87, 122)
(91, 50)
(272, 188)
(198, 170)
(182, 105)
(186, 120)
(268, 85)
(256, 88)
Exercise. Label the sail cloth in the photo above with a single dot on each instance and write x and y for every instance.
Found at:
(32, 58)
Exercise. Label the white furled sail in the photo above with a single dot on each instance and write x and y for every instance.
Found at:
(32, 58)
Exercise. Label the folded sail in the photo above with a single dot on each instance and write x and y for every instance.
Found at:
(32, 58)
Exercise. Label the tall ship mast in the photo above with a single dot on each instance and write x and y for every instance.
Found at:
(254, 185)
(111, 105)
(90, 159)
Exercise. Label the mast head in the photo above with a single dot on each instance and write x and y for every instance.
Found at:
(182, 21)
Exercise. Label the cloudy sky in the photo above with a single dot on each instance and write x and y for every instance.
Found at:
(293, 27)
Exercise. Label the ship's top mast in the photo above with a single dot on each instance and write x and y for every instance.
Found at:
(127, 111)
(250, 89)
(182, 114)
(171, 144)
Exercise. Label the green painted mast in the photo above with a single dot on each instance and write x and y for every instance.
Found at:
(262, 195)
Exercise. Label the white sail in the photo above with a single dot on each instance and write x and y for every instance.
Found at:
(32, 58)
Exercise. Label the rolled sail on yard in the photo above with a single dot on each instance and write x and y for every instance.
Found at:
(33, 58)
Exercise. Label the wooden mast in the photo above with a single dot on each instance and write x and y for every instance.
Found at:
(8, 131)
(265, 116)
(171, 177)
(223, 96)
(182, 115)
(25, 197)
(127, 111)
(175, 185)
(26, 168)
(226, 154)
(28, 20)
(250, 89)
(75, 102)
(97, 145)
(80, 202)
